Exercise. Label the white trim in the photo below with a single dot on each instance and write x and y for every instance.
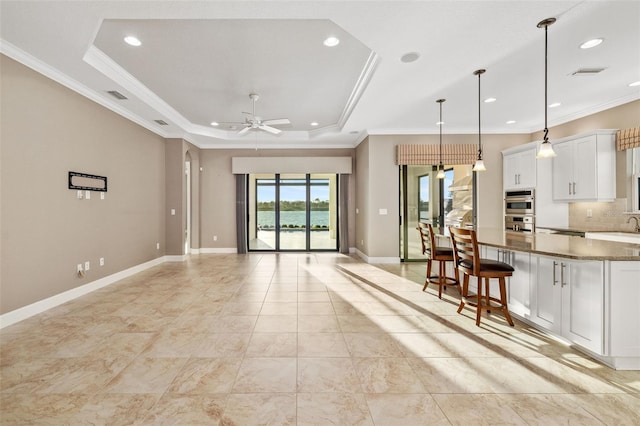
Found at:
(53, 301)
(48, 71)
(194, 251)
(223, 250)
(372, 260)
(358, 90)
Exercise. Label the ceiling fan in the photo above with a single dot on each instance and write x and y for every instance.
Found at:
(253, 122)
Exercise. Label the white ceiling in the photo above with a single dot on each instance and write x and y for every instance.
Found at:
(200, 60)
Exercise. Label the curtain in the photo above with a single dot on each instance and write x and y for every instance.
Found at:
(343, 216)
(241, 213)
(628, 138)
(424, 155)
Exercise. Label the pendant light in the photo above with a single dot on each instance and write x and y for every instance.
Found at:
(440, 174)
(546, 150)
(479, 165)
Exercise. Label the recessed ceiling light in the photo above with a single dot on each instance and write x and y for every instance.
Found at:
(410, 57)
(132, 41)
(591, 43)
(634, 84)
(511, 122)
(489, 100)
(331, 41)
(215, 123)
(315, 123)
(555, 104)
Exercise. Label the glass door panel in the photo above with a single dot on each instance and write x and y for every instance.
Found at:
(293, 207)
(422, 205)
(323, 214)
(262, 212)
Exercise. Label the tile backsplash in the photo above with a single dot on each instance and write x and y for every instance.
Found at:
(604, 216)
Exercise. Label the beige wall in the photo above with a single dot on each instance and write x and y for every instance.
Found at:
(46, 131)
(381, 232)
(362, 197)
(217, 203)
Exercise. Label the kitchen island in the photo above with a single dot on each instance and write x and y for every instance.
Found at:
(583, 291)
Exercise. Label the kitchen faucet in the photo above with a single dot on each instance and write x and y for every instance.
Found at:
(637, 225)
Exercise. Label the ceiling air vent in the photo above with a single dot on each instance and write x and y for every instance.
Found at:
(117, 94)
(161, 122)
(588, 71)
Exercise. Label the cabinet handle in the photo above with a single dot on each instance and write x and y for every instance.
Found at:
(569, 188)
(562, 266)
(515, 179)
(574, 188)
(555, 281)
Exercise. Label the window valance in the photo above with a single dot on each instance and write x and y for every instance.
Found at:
(424, 155)
(628, 138)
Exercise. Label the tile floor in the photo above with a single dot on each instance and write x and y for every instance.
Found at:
(306, 339)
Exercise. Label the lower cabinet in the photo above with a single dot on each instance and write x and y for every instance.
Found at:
(568, 299)
(518, 285)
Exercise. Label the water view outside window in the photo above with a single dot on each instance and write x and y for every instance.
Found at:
(293, 212)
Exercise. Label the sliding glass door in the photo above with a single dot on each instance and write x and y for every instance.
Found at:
(292, 212)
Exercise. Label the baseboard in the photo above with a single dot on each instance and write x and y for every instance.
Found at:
(53, 301)
(178, 258)
(223, 250)
(368, 259)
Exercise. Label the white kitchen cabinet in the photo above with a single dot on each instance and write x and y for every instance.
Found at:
(584, 167)
(518, 285)
(519, 169)
(622, 297)
(568, 299)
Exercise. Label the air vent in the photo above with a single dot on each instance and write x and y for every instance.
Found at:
(161, 122)
(117, 94)
(588, 71)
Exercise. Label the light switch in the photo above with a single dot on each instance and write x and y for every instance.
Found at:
(79, 195)
(87, 195)
(173, 212)
(382, 212)
(102, 195)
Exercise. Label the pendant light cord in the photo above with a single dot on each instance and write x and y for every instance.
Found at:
(546, 107)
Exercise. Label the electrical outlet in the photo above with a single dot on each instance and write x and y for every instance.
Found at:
(157, 246)
(589, 213)
(102, 195)
(215, 238)
(87, 265)
(79, 268)
(102, 261)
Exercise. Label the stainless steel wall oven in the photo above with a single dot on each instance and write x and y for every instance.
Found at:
(519, 210)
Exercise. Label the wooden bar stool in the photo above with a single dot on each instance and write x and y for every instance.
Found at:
(468, 261)
(438, 254)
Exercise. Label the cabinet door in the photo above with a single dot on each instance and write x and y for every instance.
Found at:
(518, 286)
(527, 169)
(563, 172)
(584, 173)
(510, 171)
(583, 303)
(546, 295)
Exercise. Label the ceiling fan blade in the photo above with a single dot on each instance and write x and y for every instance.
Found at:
(245, 130)
(276, 121)
(270, 129)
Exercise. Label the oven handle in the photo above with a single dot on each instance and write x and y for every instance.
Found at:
(507, 199)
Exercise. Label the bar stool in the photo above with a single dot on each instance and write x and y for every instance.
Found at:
(468, 261)
(438, 254)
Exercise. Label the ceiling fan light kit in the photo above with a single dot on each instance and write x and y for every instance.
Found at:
(257, 123)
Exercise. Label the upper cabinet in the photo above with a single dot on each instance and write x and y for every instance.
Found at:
(519, 168)
(584, 168)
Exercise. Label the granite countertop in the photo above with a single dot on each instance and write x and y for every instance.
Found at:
(571, 247)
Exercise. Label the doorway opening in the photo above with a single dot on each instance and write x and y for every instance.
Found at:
(292, 212)
(440, 202)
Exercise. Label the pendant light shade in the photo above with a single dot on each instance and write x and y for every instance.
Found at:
(479, 164)
(440, 174)
(545, 150)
